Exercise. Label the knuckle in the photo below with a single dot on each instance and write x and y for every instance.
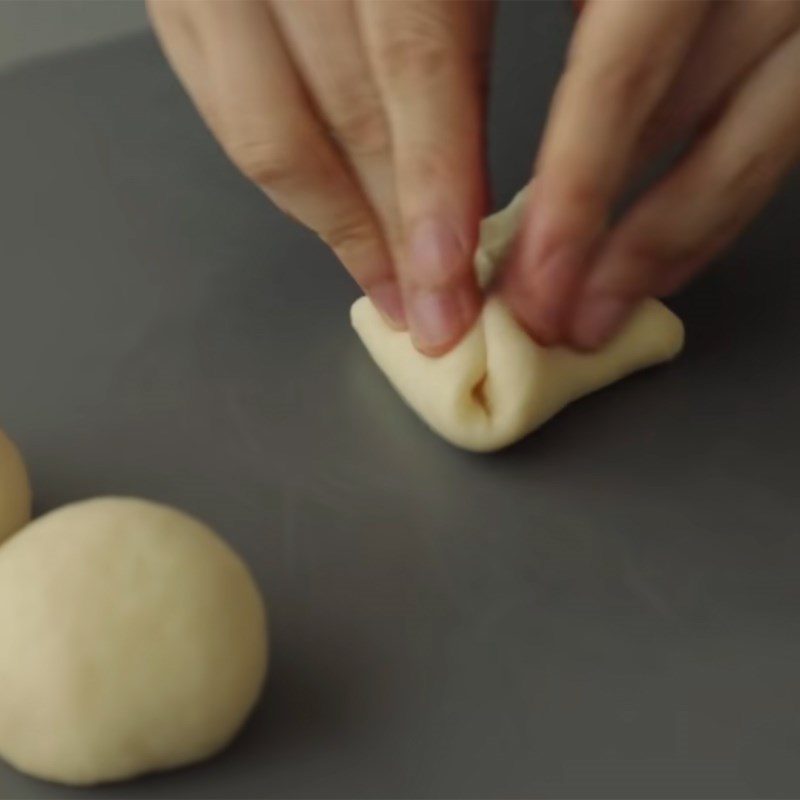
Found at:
(623, 83)
(361, 129)
(737, 175)
(349, 235)
(617, 80)
(430, 165)
(266, 162)
(413, 55)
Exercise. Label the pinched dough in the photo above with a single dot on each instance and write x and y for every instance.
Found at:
(497, 385)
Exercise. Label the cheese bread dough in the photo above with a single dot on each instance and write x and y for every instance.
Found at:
(132, 639)
(497, 385)
(15, 490)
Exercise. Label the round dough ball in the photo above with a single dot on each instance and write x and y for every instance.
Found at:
(132, 639)
(15, 490)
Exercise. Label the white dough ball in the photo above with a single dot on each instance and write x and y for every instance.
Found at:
(132, 639)
(15, 490)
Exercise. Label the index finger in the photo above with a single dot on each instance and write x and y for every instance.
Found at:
(621, 62)
(428, 58)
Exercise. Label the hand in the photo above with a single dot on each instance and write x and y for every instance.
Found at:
(639, 76)
(365, 121)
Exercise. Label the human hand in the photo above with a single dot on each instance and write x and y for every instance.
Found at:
(363, 120)
(639, 76)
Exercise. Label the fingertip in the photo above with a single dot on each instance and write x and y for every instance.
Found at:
(437, 255)
(541, 295)
(544, 328)
(440, 318)
(595, 320)
(388, 299)
(440, 292)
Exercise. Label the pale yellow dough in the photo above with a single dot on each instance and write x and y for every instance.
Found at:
(132, 639)
(498, 385)
(15, 490)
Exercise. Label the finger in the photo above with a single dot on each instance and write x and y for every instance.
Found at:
(326, 46)
(259, 111)
(428, 57)
(735, 36)
(703, 204)
(622, 59)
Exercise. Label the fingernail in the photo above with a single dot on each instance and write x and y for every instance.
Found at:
(539, 325)
(435, 253)
(436, 318)
(389, 302)
(596, 319)
(553, 288)
(542, 297)
(561, 268)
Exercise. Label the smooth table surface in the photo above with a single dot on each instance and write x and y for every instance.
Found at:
(609, 609)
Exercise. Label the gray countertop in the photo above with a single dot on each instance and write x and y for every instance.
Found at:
(609, 609)
(45, 27)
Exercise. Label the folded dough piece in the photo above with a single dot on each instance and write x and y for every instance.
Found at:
(497, 385)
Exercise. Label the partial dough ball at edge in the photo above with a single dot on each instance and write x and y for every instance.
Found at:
(133, 641)
(15, 489)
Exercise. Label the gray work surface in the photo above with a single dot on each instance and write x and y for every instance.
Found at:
(45, 27)
(609, 609)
